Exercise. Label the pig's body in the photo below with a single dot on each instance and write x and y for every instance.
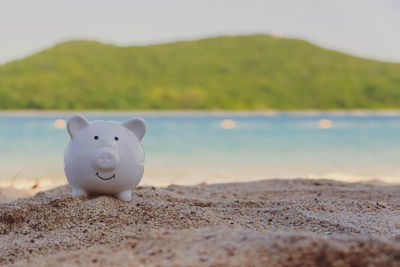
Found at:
(104, 157)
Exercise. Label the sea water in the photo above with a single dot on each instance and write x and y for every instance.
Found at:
(192, 148)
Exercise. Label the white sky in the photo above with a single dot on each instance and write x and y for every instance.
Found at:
(368, 28)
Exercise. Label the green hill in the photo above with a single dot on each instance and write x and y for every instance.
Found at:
(246, 72)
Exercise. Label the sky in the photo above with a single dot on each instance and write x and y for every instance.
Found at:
(366, 28)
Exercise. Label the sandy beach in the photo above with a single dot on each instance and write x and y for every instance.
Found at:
(270, 222)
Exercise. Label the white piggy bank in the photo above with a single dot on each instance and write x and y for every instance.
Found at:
(104, 157)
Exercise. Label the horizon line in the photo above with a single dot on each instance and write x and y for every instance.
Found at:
(194, 39)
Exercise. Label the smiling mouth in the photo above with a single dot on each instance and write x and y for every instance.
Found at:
(105, 179)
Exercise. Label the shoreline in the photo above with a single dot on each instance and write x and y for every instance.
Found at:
(183, 113)
(12, 190)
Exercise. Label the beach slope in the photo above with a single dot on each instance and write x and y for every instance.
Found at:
(275, 222)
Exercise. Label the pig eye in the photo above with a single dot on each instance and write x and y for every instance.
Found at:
(116, 138)
(96, 137)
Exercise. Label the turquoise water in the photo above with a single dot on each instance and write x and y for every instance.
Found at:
(193, 148)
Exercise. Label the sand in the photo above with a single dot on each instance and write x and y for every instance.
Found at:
(272, 222)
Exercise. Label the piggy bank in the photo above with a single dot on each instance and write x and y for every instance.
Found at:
(104, 157)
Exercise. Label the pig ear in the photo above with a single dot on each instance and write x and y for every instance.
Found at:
(137, 126)
(75, 124)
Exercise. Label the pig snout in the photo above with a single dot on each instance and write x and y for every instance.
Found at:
(105, 159)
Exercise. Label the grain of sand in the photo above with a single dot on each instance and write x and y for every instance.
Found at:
(272, 222)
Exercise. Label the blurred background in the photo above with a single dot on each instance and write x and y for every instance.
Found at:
(231, 90)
